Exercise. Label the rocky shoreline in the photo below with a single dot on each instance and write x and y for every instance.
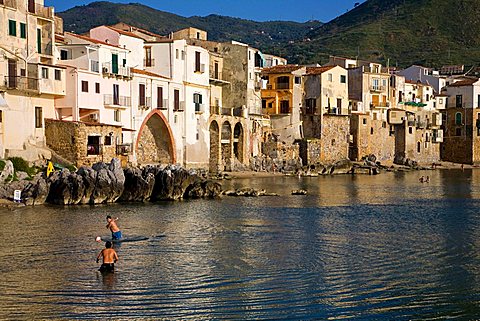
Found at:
(109, 183)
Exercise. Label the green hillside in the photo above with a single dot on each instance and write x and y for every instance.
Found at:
(403, 32)
(80, 19)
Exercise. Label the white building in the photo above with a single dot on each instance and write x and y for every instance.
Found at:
(424, 75)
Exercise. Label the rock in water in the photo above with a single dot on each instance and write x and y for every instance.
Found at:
(138, 185)
(66, 188)
(171, 183)
(36, 192)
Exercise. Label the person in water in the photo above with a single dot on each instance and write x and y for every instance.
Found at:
(109, 257)
(112, 225)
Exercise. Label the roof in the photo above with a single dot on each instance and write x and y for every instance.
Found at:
(147, 73)
(95, 41)
(281, 69)
(147, 32)
(125, 33)
(318, 70)
(462, 83)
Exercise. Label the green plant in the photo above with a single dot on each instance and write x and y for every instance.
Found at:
(2, 165)
(21, 165)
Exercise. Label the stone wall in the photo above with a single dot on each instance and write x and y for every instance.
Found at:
(371, 137)
(335, 138)
(70, 140)
(281, 150)
(154, 145)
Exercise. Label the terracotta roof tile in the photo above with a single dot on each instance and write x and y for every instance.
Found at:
(318, 70)
(281, 69)
(462, 83)
(147, 73)
(125, 33)
(92, 40)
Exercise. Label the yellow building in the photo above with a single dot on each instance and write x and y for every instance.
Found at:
(282, 97)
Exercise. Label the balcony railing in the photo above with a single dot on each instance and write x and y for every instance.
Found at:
(377, 88)
(179, 107)
(46, 49)
(110, 100)
(21, 83)
(124, 149)
(216, 75)
(199, 108)
(163, 104)
(226, 111)
(374, 70)
(283, 85)
(110, 69)
(149, 62)
(146, 103)
(8, 3)
(94, 66)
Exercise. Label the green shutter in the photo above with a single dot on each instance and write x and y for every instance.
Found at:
(39, 40)
(23, 30)
(12, 28)
(114, 63)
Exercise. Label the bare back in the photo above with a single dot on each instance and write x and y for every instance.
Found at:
(109, 256)
(112, 225)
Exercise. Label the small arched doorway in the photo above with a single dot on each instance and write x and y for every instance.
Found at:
(238, 142)
(214, 147)
(155, 142)
(226, 141)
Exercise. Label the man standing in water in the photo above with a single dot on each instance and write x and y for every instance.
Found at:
(112, 225)
(109, 256)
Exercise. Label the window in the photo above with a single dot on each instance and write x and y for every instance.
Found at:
(124, 61)
(410, 130)
(97, 87)
(343, 79)
(38, 117)
(458, 132)
(148, 57)
(23, 30)
(177, 56)
(284, 107)
(63, 54)
(330, 77)
(93, 145)
(44, 73)
(249, 55)
(419, 146)
(1, 116)
(283, 82)
(198, 35)
(197, 100)
(107, 141)
(364, 121)
(117, 115)
(114, 63)
(371, 130)
(84, 86)
(339, 105)
(197, 61)
(58, 74)
(160, 97)
(459, 101)
(39, 40)
(141, 95)
(116, 94)
(376, 84)
(298, 80)
(311, 106)
(176, 99)
(478, 101)
(264, 103)
(12, 28)
(458, 119)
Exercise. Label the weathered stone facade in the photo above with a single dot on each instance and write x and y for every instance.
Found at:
(85, 144)
(416, 144)
(331, 139)
(462, 136)
(371, 137)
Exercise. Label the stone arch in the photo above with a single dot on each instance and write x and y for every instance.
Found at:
(155, 143)
(238, 139)
(226, 141)
(215, 149)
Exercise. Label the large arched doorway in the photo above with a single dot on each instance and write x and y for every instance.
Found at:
(238, 142)
(155, 142)
(214, 147)
(227, 146)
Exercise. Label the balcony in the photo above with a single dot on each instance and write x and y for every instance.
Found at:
(377, 89)
(180, 107)
(282, 85)
(46, 49)
(115, 70)
(375, 70)
(94, 66)
(124, 149)
(41, 11)
(146, 103)
(199, 108)
(117, 101)
(21, 83)
(163, 104)
(216, 78)
(380, 105)
(149, 62)
(8, 3)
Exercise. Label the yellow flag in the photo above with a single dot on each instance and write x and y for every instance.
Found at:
(49, 169)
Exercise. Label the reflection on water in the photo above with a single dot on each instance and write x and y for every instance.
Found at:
(363, 247)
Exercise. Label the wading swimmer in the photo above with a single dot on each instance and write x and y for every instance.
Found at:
(112, 225)
(109, 257)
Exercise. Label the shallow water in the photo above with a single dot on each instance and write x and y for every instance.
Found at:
(365, 247)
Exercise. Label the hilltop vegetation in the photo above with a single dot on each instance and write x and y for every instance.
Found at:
(81, 19)
(399, 32)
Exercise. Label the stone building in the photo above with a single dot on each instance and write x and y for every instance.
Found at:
(462, 127)
(84, 144)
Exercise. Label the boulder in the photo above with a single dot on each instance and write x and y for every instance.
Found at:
(138, 185)
(171, 183)
(89, 177)
(36, 192)
(66, 188)
(7, 173)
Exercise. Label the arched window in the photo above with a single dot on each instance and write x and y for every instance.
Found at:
(458, 119)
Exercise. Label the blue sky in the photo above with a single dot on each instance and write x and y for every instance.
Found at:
(259, 10)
